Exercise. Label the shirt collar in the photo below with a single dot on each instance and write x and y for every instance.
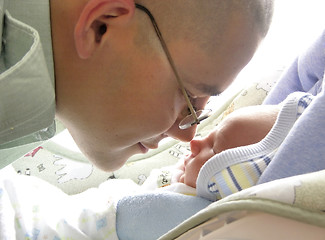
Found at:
(26, 113)
(36, 13)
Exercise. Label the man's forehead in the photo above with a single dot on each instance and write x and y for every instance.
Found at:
(201, 84)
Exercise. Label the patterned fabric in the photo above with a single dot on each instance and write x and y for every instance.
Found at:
(33, 209)
(239, 176)
(303, 104)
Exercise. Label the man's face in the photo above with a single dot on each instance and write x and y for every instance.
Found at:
(131, 100)
(131, 114)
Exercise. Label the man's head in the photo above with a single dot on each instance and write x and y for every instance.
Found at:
(116, 91)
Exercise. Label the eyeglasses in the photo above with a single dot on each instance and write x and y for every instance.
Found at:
(195, 116)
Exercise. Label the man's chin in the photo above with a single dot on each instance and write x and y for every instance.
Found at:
(109, 166)
(109, 163)
(110, 160)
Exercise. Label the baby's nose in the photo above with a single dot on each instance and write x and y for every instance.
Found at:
(195, 145)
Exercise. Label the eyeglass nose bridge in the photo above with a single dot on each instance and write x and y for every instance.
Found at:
(190, 121)
(187, 99)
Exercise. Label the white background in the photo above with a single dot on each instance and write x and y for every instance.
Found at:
(295, 24)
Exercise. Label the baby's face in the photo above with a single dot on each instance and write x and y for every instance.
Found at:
(202, 150)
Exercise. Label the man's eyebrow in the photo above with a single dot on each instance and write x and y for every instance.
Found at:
(208, 89)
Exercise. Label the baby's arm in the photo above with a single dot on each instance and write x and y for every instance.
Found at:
(245, 126)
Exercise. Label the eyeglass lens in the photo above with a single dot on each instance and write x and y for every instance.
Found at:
(189, 120)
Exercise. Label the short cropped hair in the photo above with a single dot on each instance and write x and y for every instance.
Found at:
(204, 21)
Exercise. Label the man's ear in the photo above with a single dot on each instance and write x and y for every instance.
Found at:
(94, 21)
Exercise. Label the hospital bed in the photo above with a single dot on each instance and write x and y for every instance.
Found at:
(291, 208)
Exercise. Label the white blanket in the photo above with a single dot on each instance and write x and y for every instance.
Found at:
(31, 208)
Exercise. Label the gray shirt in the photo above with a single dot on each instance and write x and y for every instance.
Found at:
(27, 92)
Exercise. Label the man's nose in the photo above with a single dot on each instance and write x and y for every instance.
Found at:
(182, 135)
(186, 135)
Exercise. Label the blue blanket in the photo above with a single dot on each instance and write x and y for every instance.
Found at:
(149, 216)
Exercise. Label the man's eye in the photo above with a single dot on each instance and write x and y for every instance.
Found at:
(191, 95)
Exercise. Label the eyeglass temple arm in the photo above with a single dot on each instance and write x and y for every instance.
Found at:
(163, 44)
